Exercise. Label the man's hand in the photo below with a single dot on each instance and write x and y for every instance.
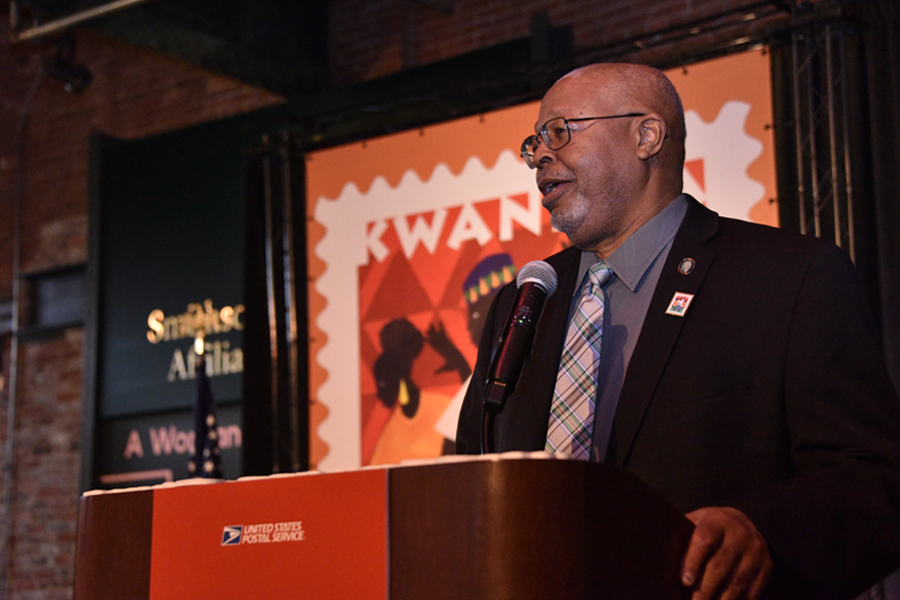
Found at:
(727, 557)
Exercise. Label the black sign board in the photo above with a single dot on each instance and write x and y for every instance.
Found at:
(168, 236)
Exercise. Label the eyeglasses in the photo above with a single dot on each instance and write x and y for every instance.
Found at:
(556, 133)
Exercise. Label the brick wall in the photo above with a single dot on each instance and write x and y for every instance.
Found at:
(46, 464)
(135, 94)
(371, 39)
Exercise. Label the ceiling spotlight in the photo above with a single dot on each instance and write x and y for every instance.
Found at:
(61, 66)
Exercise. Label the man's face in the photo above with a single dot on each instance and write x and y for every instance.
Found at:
(587, 185)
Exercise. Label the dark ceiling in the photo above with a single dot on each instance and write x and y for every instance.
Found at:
(280, 45)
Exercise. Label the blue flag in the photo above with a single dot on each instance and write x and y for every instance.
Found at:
(206, 459)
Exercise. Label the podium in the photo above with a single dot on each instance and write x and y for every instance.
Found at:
(507, 527)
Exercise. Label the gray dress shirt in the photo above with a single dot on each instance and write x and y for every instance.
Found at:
(636, 266)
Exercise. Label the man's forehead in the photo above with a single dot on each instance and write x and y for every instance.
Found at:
(572, 97)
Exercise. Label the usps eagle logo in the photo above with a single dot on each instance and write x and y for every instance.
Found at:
(231, 535)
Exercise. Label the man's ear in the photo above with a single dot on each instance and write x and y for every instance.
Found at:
(652, 131)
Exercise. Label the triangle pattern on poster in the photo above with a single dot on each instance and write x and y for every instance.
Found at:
(696, 169)
(398, 292)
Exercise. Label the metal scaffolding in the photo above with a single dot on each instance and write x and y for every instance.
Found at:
(821, 130)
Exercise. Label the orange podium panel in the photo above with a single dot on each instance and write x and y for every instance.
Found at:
(501, 526)
(278, 537)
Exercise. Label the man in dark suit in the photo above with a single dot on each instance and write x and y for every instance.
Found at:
(740, 374)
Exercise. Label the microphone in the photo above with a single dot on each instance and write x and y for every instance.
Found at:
(537, 281)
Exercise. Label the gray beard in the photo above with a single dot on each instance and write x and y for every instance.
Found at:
(568, 221)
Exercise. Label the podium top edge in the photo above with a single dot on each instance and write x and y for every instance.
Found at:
(442, 460)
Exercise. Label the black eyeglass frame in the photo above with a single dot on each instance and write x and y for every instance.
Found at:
(532, 142)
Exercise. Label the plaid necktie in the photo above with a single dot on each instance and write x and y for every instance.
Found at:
(571, 424)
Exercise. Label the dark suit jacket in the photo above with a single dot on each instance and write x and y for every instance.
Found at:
(769, 395)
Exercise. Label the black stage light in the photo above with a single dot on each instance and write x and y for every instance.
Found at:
(61, 66)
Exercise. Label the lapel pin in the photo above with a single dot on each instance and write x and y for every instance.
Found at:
(686, 266)
(679, 304)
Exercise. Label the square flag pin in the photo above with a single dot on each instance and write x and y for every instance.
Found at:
(679, 304)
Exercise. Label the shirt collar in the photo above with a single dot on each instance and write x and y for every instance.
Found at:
(631, 260)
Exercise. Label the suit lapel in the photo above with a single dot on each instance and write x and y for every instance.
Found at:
(660, 330)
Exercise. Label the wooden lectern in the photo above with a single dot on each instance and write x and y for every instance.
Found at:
(506, 527)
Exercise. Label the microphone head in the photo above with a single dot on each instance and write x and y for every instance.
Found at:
(541, 273)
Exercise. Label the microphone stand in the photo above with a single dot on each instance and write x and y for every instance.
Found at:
(493, 405)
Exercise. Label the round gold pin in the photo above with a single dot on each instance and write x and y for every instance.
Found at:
(687, 265)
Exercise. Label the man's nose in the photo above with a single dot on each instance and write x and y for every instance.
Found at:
(543, 156)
